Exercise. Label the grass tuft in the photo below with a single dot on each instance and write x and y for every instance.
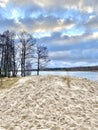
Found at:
(7, 82)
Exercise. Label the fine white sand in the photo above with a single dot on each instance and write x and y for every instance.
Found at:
(50, 103)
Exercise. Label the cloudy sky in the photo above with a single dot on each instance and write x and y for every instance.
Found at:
(69, 28)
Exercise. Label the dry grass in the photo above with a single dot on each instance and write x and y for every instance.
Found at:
(67, 80)
(7, 82)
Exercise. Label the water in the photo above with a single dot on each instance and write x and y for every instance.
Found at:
(79, 74)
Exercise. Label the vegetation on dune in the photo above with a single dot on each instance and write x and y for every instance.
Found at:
(7, 82)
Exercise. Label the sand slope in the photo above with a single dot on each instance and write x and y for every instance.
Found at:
(50, 103)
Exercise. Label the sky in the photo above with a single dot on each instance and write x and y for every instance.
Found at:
(69, 28)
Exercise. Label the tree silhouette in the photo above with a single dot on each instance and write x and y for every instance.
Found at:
(27, 49)
(42, 57)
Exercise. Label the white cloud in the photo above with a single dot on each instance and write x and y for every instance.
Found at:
(95, 35)
(59, 54)
(46, 24)
(92, 23)
(82, 5)
(3, 3)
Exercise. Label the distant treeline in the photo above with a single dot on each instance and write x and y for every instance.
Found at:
(85, 68)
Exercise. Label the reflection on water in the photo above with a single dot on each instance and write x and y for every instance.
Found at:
(80, 74)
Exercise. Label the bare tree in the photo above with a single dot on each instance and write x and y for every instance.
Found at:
(13, 56)
(8, 54)
(27, 49)
(42, 57)
(19, 50)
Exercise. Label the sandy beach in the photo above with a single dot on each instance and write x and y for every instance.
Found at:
(49, 103)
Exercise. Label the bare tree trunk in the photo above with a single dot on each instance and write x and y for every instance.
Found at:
(14, 64)
(23, 59)
(38, 66)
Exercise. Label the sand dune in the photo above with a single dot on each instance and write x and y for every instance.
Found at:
(50, 103)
